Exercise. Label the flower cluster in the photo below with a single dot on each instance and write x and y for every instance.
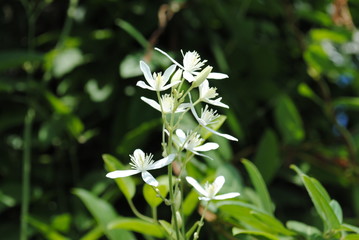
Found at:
(179, 80)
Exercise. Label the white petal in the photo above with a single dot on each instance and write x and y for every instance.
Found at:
(183, 107)
(214, 75)
(143, 85)
(218, 183)
(196, 185)
(199, 154)
(174, 61)
(188, 76)
(204, 198)
(121, 173)
(169, 85)
(206, 147)
(152, 103)
(181, 135)
(193, 110)
(162, 162)
(138, 154)
(149, 179)
(217, 102)
(167, 74)
(146, 72)
(227, 136)
(226, 196)
(203, 88)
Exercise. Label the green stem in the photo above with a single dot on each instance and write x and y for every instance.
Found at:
(200, 224)
(137, 213)
(26, 174)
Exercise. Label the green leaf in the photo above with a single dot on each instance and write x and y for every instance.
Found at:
(151, 196)
(126, 185)
(320, 199)
(351, 237)
(272, 222)
(267, 155)
(62, 222)
(236, 231)
(337, 210)
(94, 234)
(104, 213)
(66, 60)
(46, 230)
(306, 91)
(15, 58)
(350, 228)
(303, 229)
(347, 102)
(288, 120)
(138, 225)
(168, 227)
(260, 186)
(132, 31)
(56, 103)
(190, 203)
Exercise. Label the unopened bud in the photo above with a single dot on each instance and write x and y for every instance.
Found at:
(177, 77)
(202, 76)
(178, 200)
(179, 219)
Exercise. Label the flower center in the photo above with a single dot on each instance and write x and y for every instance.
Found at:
(208, 116)
(158, 80)
(192, 61)
(167, 103)
(193, 140)
(210, 93)
(210, 190)
(141, 162)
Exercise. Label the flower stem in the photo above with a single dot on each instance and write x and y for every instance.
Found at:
(137, 213)
(26, 173)
(200, 224)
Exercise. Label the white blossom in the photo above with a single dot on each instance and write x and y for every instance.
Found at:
(206, 93)
(192, 65)
(192, 141)
(142, 163)
(209, 192)
(166, 104)
(157, 81)
(209, 116)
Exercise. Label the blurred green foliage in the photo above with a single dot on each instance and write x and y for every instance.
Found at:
(293, 92)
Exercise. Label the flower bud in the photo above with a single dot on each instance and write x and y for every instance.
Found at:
(178, 200)
(179, 219)
(177, 76)
(202, 76)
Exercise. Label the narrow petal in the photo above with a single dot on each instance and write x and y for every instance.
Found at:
(170, 85)
(181, 135)
(193, 110)
(146, 72)
(204, 198)
(152, 103)
(121, 173)
(183, 107)
(162, 162)
(149, 179)
(188, 76)
(217, 102)
(214, 75)
(196, 186)
(203, 88)
(174, 61)
(206, 147)
(139, 154)
(143, 85)
(227, 136)
(226, 196)
(167, 74)
(199, 154)
(218, 183)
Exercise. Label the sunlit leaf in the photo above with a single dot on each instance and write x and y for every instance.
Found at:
(49, 232)
(138, 225)
(151, 196)
(237, 231)
(67, 60)
(62, 222)
(303, 229)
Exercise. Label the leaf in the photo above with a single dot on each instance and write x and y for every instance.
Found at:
(190, 203)
(131, 30)
(337, 210)
(267, 155)
(347, 102)
(259, 184)
(168, 227)
(126, 185)
(16, 58)
(62, 222)
(94, 234)
(138, 225)
(151, 196)
(66, 60)
(320, 199)
(46, 230)
(351, 237)
(303, 229)
(288, 120)
(350, 228)
(236, 231)
(272, 222)
(104, 213)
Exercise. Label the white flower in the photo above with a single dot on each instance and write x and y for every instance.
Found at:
(209, 192)
(193, 143)
(206, 93)
(209, 117)
(156, 82)
(167, 102)
(192, 64)
(142, 163)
